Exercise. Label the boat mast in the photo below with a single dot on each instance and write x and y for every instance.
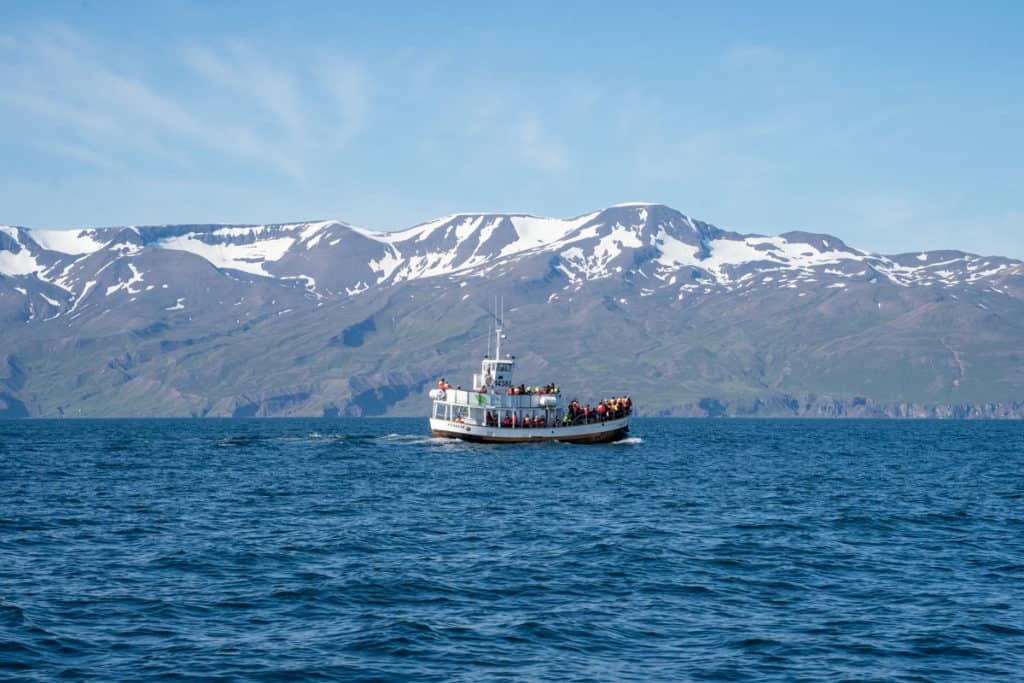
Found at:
(500, 323)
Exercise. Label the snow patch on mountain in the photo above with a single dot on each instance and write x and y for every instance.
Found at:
(135, 279)
(387, 264)
(73, 242)
(248, 258)
(726, 254)
(422, 232)
(20, 263)
(314, 232)
(428, 265)
(85, 292)
(536, 232)
(465, 228)
(594, 265)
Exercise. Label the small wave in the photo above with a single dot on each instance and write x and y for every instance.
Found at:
(411, 439)
(402, 437)
(317, 436)
(628, 441)
(1003, 629)
(11, 615)
(239, 441)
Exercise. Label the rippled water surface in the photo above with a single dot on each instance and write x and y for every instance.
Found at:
(363, 550)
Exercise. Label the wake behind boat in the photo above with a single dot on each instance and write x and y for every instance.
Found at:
(496, 411)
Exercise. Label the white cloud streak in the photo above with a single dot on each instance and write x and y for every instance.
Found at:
(237, 104)
(346, 83)
(536, 147)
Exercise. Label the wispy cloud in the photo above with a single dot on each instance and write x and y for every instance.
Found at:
(348, 87)
(748, 58)
(893, 221)
(82, 154)
(536, 147)
(886, 212)
(236, 103)
(508, 126)
(248, 75)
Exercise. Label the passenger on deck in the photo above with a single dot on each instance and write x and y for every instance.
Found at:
(526, 422)
(507, 422)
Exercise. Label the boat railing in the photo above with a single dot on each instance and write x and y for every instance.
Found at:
(474, 399)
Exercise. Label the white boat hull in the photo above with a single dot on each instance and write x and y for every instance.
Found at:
(595, 432)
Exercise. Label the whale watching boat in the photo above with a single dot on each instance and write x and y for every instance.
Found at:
(495, 410)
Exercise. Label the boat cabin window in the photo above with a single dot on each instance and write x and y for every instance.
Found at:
(498, 373)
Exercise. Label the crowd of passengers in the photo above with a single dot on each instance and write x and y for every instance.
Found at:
(525, 390)
(521, 390)
(609, 409)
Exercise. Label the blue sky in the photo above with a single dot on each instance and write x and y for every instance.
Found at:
(895, 126)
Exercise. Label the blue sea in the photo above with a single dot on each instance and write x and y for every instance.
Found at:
(322, 550)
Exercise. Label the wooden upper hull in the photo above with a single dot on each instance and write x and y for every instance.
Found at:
(597, 432)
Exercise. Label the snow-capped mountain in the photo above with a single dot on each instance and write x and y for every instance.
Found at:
(668, 250)
(213, 284)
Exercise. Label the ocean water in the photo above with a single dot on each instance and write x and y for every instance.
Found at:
(364, 550)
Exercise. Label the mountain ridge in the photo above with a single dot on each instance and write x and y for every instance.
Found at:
(162, 320)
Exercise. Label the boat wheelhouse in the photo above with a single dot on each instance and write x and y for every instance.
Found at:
(495, 410)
